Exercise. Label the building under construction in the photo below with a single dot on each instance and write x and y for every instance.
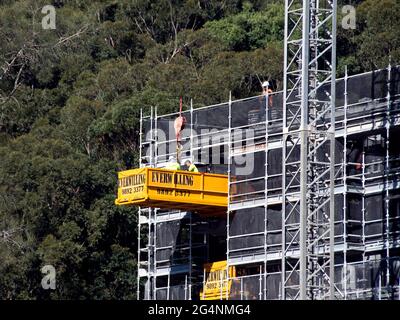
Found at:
(312, 200)
(246, 135)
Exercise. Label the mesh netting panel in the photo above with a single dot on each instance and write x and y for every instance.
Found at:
(273, 286)
(375, 229)
(247, 190)
(244, 222)
(339, 277)
(210, 156)
(274, 228)
(277, 105)
(394, 214)
(292, 280)
(248, 111)
(246, 243)
(354, 207)
(338, 217)
(275, 161)
(374, 207)
(235, 293)
(394, 228)
(340, 86)
(146, 127)
(274, 218)
(246, 288)
(248, 166)
(294, 217)
(394, 269)
(172, 234)
(359, 88)
(252, 288)
(395, 81)
(167, 233)
(213, 117)
(247, 221)
(177, 292)
(379, 84)
(161, 294)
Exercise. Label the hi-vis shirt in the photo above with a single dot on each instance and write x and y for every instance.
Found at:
(193, 168)
(173, 166)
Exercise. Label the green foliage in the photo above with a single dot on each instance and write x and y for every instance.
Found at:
(70, 103)
(249, 30)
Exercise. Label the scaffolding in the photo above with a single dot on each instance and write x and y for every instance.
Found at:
(244, 139)
(308, 128)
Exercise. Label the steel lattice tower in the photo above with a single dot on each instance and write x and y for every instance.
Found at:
(308, 149)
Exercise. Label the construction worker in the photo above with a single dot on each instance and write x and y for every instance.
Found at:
(172, 164)
(191, 167)
(267, 91)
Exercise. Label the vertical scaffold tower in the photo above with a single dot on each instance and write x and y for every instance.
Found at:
(308, 149)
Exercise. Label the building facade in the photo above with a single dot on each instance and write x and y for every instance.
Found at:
(243, 139)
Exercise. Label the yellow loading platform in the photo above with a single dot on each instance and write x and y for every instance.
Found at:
(170, 189)
(217, 285)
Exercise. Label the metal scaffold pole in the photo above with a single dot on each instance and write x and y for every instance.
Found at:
(229, 185)
(387, 174)
(267, 120)
(139, 209)
(345, 187)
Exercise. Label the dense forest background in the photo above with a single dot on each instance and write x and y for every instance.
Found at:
(70, 100)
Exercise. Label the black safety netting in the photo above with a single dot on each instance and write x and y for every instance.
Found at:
(355, 280)
(247, 288)
(374, 216)
(172, 237)
(274, 169)
(162, 294)
(211, 117)
(274, 229)
(146, 141)
(394, 270)
(354, 161)
(262, 286)
(394, 214)
(244, 168)
(245, 223)
(146, 128)
(171, 293)
(248, 166)
(340, 97)
(367, 279)
(251, 113)
(394, 152)
(362, 276)
(214, 158)
(395, 81)
(366, 87)
(247, 228)
(354, 218)
(146, 154)
(273, 286)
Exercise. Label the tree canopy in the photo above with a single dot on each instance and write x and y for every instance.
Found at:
(70, 101)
